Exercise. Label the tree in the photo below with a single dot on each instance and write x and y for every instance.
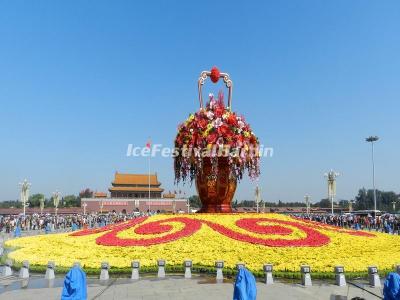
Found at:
(235, 203)
(324, 203)
(86, 193)
(34, 200)
(344, 203)
(71, 201)
(11, 204)
(194, 201)
(365, 200)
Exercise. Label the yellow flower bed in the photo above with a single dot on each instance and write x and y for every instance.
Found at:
(251, 238)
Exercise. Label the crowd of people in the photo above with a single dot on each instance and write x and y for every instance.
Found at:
(62, 222)
(388, 223)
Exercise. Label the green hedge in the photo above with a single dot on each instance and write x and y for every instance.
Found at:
(200, 269)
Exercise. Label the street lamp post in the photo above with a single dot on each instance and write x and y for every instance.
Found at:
(351, 202)
(307, 199)
(25, 185)
(372, 139)
(257, 197)
(84, 208)
(41, 204)
(101, 206)
(188, 206)
(331, 175)
(56, 200)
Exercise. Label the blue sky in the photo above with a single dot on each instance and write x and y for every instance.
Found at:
(80, 80)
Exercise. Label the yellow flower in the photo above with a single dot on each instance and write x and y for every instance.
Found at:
(204, 246)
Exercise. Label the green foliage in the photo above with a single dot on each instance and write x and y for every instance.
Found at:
(195, 201)
(324, 203)
(199, 269)
(365, 200)
(11, 204)
(70, 201)
(34, 200)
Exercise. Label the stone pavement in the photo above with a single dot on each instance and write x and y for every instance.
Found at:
(176, 287)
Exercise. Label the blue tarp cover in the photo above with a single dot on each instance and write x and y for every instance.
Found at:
(74, 285)
(391, 288)
(245, 286)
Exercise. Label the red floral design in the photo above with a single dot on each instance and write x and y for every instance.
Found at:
(105, 228)
(252, 225)
(111, 238)
(313, 238)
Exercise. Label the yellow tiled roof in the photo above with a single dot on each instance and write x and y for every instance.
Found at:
(135, 179)
(99, 195)
(135, 189)
(169, 195)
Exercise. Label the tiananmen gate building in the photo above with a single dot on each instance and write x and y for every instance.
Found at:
(134, 192)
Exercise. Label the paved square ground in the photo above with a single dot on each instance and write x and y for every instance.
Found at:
(176, 288)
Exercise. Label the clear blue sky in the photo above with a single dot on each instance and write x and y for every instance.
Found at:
(79, 80)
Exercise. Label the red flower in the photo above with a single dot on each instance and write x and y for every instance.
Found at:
(212, 138)
(219, 111)
(224, 131)
(202, 123)
(232, 120)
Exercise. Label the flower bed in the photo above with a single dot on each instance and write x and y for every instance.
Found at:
(251, 238)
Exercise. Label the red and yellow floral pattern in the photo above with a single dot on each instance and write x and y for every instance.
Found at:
(252, 238)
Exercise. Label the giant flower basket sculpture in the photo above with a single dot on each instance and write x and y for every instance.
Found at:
(215, 147)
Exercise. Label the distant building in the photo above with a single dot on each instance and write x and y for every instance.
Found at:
(99, 195)
(130, 192)
(135, 186)
(169, 195)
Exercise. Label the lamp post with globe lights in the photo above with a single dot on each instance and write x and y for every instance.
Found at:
(84, 208)
(41, 200)
(351, 203)
(25, 186)
(331, 176)
(257, 195)
(307, 199)
(56, 200)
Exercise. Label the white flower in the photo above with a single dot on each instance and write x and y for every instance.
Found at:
(210, 114)
(212, 103)
(211, 95)
(217, 123)
(240, 124)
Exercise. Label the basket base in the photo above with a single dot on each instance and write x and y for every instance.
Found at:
(215, 208)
